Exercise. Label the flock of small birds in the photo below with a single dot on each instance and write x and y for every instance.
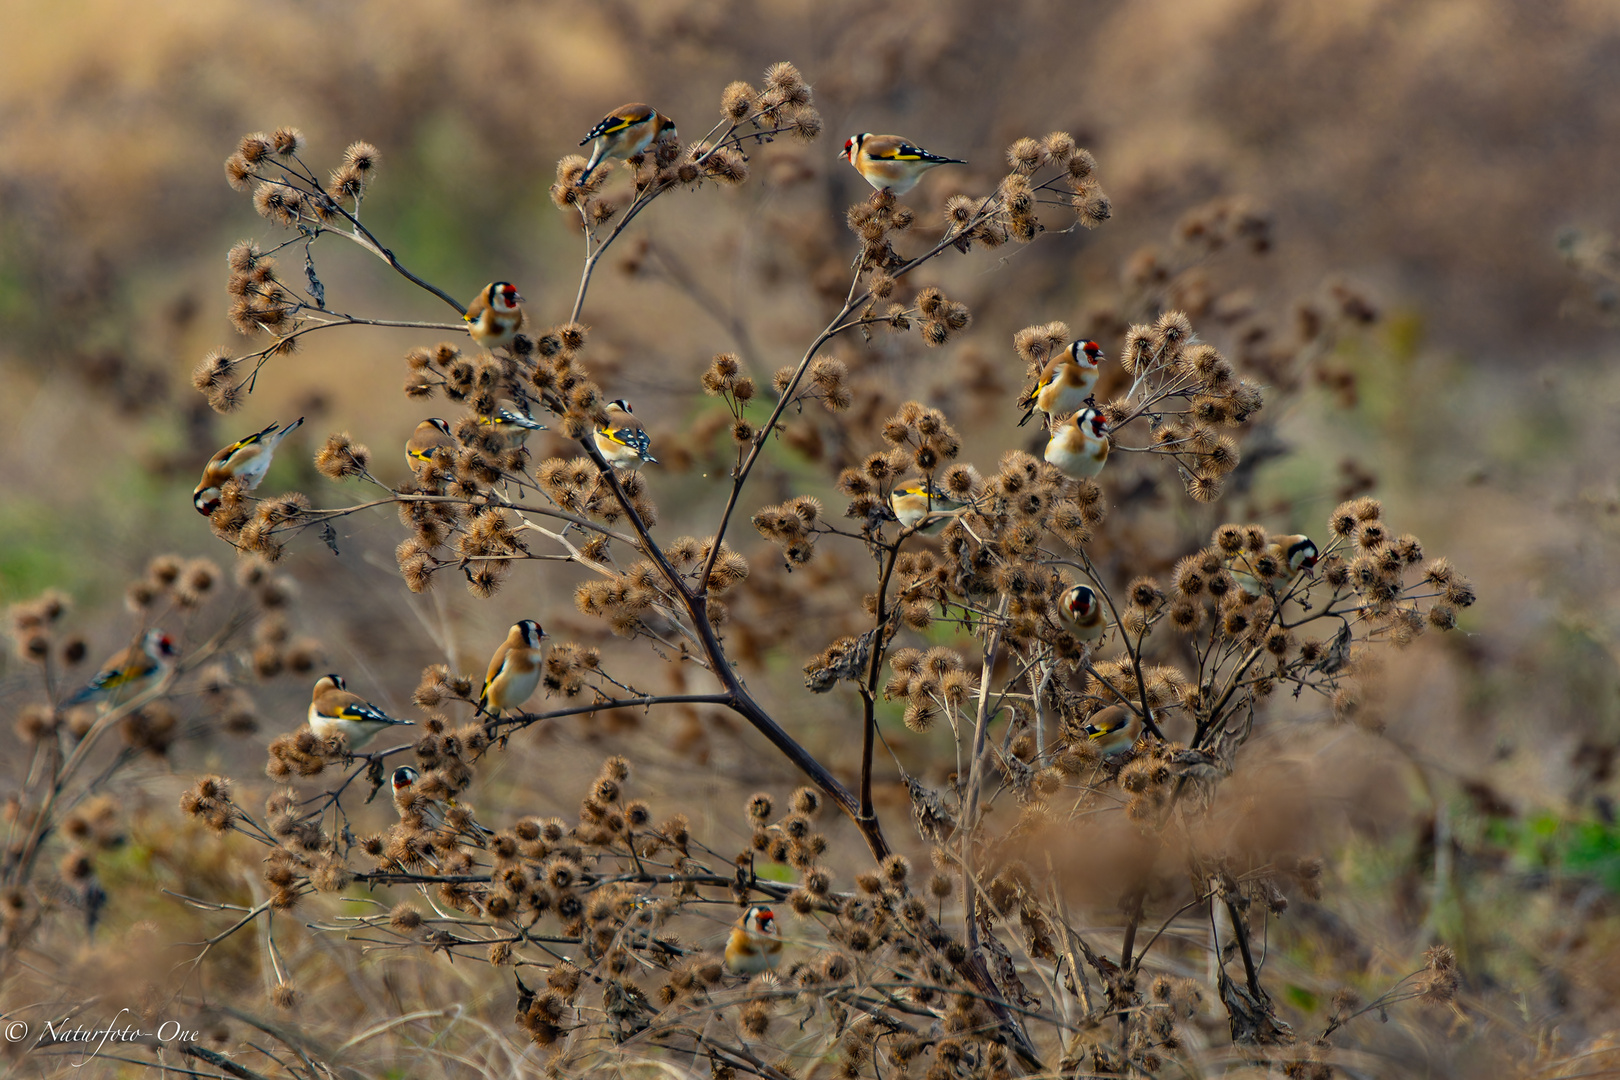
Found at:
(1078, 444)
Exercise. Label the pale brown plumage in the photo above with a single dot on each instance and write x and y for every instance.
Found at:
(1065, 384)
(430, 436)
(514, 670)
(1079, 445)
(245, 461)
(494, 315)
(889, 162)
(754, 944)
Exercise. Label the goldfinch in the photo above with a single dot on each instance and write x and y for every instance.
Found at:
(1082, 613)
(1079, 445)
(890, 163)
(626, 132)
(435, 813)
(494, 315)
(430, 436)
(514, 670)
(130, 672)
(1065, 383)
(511, 425)
(246, 461)
(1288, 554)
(622, 440)
(1114, 730)
(915, 501)
(754, 945)
(335, 711)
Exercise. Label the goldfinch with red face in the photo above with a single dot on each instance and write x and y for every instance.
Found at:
(754, 945)
(246, 461)
(335, 711)
(1079, 445)
(130, 672)
(514, 670)
(1082, 613)
(626, 132)
(890, 163)
(430, 436)
(512, 426)
(434, 813)
(1065, 383)
(917, 501)
(494, 315)
(622, 440)
(1114, 730)
(1288, 555)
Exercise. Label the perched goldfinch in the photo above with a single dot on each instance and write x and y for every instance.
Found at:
(435, 813)
(915, 501)
(1082, 613)
(514, 670)
(494, 315)
(622, 440)
(1065, 383)
(246, 461)
(626, 132)
(754, 945)
(430, 436)
(1079, 445)
(890, 163)
(130, 672)
(1114, 730)
(335, 711)
(1290, 555)
(511, 425)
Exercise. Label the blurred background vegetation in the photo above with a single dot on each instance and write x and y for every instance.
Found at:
(1456, 161)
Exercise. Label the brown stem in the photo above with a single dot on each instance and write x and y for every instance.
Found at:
(869, 691)
(834, 328)
(974, 966)
(762, 435)
(738, 698)
(1135, 920)
(1240, 928)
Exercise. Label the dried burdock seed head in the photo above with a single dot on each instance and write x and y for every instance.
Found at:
(1171, 331)
(286, 141)
(737, 100)
(930, 300)
(254, 148)
(760, 807)
(1371, 536)
(238, 172)
(342, 457)
(1145, 592)
(806, 801)
(1027, 155)
(1439, 980)
(213, 370)
(1459, 592)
